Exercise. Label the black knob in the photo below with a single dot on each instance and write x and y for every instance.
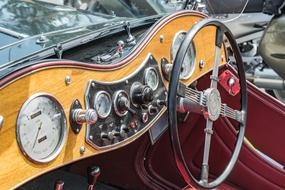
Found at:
(142, 94)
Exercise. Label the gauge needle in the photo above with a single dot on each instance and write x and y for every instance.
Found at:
(37, 135)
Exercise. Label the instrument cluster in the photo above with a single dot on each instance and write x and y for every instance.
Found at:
(114, 112)
(124, 107)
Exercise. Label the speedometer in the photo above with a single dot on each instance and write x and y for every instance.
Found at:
(41, 128)
(188, 64)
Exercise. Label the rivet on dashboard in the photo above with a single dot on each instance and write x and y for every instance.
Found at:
(201, 64)
(127, 82)
(67, 80)
(93, 84)
(1, 121)
(82, 150)
(91, 137)
(161, 38)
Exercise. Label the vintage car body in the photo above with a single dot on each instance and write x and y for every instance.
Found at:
(62, 72)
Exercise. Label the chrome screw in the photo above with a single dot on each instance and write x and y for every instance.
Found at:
(161, 38)
(82, 150)
(201, 64)
(67, 80)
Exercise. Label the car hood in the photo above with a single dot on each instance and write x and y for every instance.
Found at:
(23, 23)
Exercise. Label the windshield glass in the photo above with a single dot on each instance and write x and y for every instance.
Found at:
(143, 8)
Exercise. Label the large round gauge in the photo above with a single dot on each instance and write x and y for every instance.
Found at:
(151, 78)
(41, 128)
(103, 104)
(188, 64)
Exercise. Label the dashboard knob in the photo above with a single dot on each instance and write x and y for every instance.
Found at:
(104, 135)
(123, 104)
(141, 94)
(115, 133)
(152, 110)
(161, 102)
(91, 116)
(124, 130)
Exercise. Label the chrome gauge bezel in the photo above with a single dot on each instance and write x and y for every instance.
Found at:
(62, 140)
(96, 105)
(115, 97)
(192, 46)
(146, 73)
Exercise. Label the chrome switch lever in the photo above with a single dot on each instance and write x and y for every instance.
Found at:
(112, 55)
(59, 185)
(131, 40)
(92, 176)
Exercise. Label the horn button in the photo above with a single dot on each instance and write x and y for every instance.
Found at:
(213, 103)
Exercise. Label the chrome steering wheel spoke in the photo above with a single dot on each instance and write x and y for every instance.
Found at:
(205, 164)
(219, 39)
(229, 112)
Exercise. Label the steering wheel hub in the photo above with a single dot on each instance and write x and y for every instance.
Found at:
(213, 103)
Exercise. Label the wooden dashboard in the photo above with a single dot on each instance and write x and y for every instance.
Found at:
(49, 77)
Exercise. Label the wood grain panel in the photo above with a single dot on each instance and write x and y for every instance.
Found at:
(15, 169)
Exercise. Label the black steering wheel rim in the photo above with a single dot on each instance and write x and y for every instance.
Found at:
(172, 97)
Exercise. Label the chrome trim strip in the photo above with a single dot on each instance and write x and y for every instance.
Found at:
(1, 121)
(13, 33)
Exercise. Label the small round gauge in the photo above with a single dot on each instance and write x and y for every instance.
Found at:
(103, 104)
(151, 78)
(188, 64)
(41, 128)
(121, 102)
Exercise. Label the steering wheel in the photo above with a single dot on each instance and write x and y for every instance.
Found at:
(208, 103)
